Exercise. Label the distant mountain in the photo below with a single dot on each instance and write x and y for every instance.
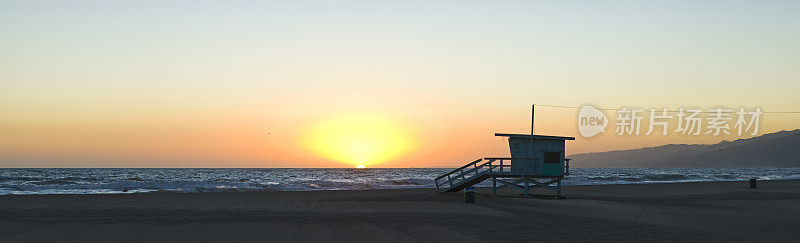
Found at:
(780, 149)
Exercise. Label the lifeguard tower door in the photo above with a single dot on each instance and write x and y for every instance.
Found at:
(522, 154)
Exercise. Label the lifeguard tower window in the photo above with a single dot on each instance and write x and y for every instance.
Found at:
(552, 157)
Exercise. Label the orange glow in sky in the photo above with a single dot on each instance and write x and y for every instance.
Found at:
(376, 83)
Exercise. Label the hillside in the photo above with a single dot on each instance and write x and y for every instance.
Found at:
(780, 149)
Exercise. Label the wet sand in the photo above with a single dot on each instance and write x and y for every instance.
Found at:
(708, 211)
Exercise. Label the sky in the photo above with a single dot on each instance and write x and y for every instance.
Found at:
(420, 83)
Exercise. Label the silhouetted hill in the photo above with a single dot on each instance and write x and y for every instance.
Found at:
(780, 149)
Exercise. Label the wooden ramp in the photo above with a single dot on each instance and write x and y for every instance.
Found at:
(467, 175)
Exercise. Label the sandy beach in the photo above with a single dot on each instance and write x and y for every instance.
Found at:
(707, 211)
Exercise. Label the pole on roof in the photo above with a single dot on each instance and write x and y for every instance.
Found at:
(532, 154)
(532, 109)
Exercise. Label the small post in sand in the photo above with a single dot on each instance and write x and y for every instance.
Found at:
(469, 195)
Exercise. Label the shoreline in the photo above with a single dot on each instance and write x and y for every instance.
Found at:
(707, 211)
(479, 188)
(103, 181)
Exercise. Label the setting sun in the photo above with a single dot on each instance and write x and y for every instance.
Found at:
(359, 139)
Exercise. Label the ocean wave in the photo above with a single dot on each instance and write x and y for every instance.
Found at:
(19, 178)
(53, 182)
(668, 177)
(615, 178)
(410, 182)
(726, 177)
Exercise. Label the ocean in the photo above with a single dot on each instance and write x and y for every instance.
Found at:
(111, 181)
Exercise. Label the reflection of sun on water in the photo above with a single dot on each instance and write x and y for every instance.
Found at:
(361, 140)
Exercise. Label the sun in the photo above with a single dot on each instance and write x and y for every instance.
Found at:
(360, 167)
(359, 140)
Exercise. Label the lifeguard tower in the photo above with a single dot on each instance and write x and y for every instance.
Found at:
(537, 161)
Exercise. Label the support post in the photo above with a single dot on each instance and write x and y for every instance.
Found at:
(494, 186)
(558, 191)
(526, 185)
(501, 166)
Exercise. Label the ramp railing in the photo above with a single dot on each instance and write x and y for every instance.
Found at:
(472, 170)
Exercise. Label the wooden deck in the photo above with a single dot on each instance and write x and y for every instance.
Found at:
(495, 169)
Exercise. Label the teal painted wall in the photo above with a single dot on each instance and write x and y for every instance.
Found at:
(521, 147)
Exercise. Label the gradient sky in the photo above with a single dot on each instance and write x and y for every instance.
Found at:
(238, 83)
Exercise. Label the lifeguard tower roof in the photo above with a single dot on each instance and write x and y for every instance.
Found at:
(534, 136)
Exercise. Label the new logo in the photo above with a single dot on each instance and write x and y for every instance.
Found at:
(591, 121)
